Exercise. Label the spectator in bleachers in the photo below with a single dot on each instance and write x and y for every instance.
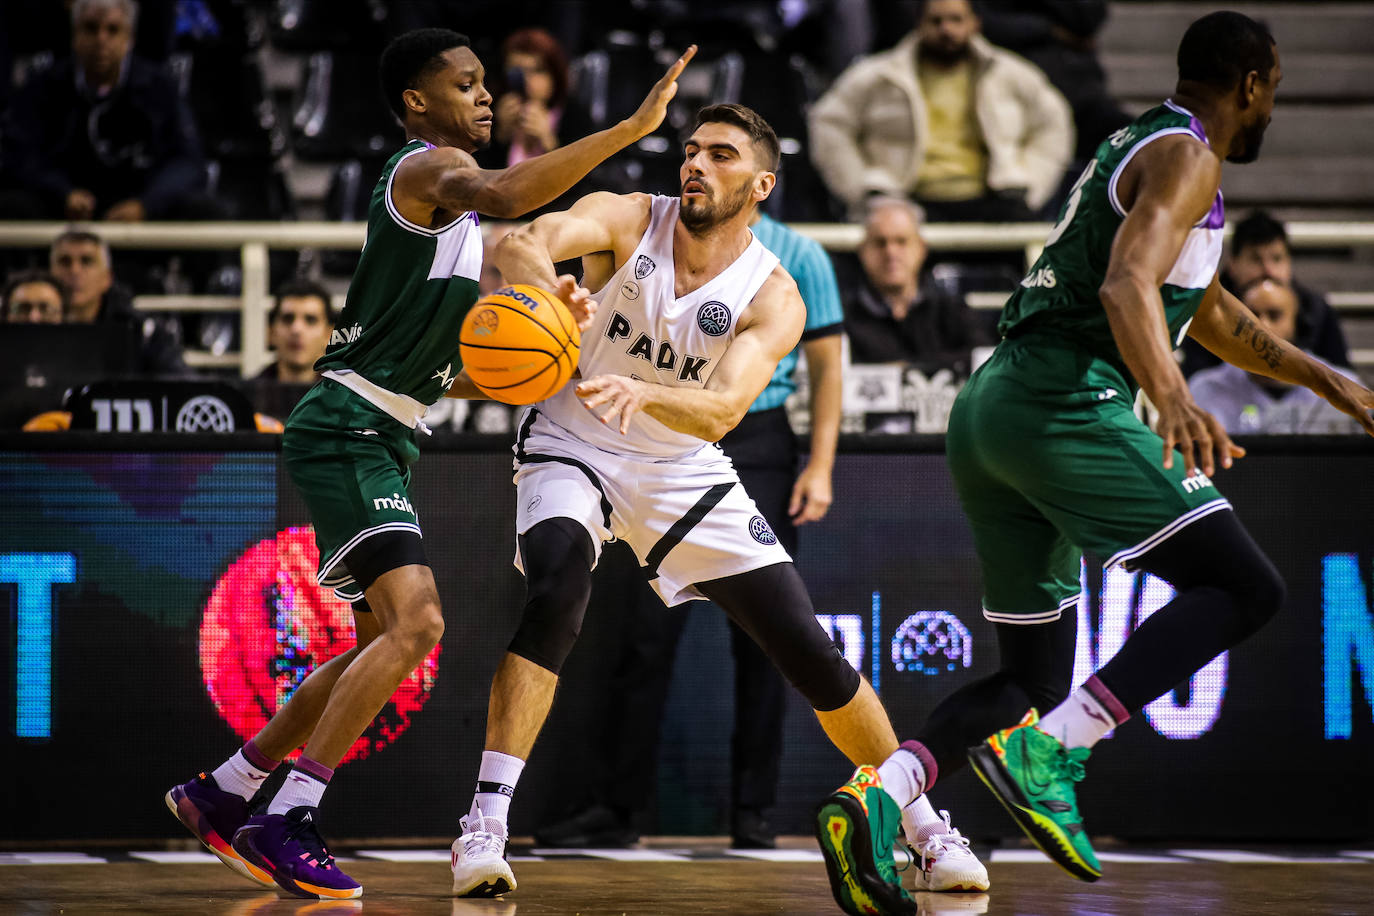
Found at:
(533, 113)
(298, 329)
(1248, 403)
(1260, 250)
(81, 262)
(896, 314)
(969, 130)
(1059, 37)
(104, 134)
(33, 297)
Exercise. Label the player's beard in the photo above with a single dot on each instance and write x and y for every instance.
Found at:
(706, 213)
(1254, 138)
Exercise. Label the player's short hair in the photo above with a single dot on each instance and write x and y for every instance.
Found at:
(760, 132)
(1221, 47)
(301, 288)
(410, 58)
(1259, 228)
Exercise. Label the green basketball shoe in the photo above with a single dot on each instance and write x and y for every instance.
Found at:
(857, 826)
(1033, 776)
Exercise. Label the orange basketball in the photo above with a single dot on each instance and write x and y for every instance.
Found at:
(519, 344)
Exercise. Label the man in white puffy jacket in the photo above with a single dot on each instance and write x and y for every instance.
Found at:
(968, 129)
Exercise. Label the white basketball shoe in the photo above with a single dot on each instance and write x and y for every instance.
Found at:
(479, 861)
(944, 862)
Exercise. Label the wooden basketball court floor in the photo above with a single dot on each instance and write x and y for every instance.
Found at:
(698, 878)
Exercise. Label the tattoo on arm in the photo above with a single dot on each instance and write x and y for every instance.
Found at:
(1259, 340)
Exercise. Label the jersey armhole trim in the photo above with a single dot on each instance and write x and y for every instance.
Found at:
(396, 214)
(1116, 172)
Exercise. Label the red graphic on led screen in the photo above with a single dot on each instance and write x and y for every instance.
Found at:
(267, 625)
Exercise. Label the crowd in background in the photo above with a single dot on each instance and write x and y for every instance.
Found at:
(891, 113)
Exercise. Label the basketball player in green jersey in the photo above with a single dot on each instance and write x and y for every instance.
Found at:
(350, 442)
(1049, 458)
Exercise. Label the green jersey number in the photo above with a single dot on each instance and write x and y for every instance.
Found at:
(1071, 206)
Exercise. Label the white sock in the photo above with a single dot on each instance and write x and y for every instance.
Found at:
(920, 822)
(903, 776)
(238, 776)
(1079, 721)
(496, 781)
(300, 788)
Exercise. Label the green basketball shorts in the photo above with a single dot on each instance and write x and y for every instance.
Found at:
(1050, 460)
(351, 462)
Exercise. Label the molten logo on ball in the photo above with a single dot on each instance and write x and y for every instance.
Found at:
(267, 625)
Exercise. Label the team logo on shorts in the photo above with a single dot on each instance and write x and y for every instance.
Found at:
(713, 318)
(761, 532)
(644, 266)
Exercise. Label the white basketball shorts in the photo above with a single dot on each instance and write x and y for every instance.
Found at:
(687, 519)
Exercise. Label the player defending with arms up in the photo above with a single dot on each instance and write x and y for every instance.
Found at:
(693, 316)
(350, 442)
(1049, 458)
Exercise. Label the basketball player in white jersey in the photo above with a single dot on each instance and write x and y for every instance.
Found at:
(692, 315)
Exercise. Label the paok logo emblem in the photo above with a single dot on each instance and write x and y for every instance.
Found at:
(760, 530)
(205, 413)
(713, 318)
(644, 266)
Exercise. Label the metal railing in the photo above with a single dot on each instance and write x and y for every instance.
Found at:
(254, 240)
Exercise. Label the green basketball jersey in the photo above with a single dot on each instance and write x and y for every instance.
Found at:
(413, 286)
(1058, 299)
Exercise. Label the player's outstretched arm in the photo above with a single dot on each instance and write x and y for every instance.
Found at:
(769, 328)
(1226, 327)
(1166, 189)
(449, 178)
(599, 223)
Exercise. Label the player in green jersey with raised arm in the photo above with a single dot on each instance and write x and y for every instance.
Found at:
(349, 443)
(1049, 458)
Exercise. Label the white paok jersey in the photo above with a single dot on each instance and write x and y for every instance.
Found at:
(642, 330)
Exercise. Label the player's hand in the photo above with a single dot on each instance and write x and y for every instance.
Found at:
(578, 299)
(1351, 397)
(655, 104)
(1185, 426)
(624, 395)
(811, 496)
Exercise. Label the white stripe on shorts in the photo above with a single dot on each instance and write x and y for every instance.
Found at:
(1168, 531)
(1039, 617)
(326, 577)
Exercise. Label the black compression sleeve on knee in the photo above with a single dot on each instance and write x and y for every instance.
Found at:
(772, 605)
(558, 556)
(1226, 590)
